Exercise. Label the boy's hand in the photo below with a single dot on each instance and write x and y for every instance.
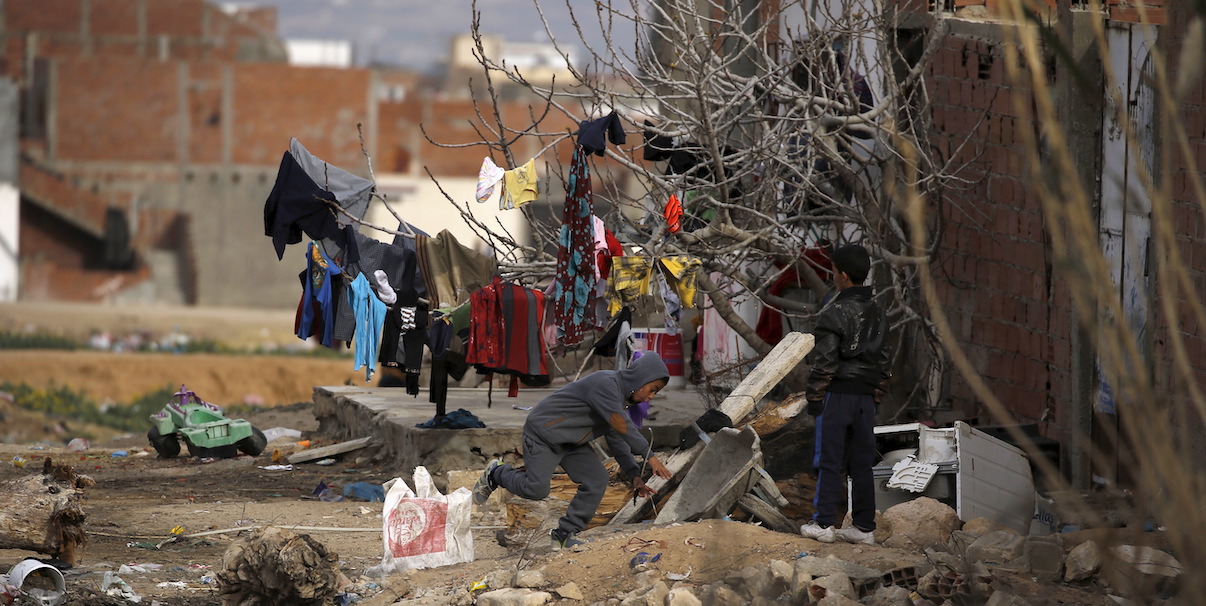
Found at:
(641, 489)
(659, 470)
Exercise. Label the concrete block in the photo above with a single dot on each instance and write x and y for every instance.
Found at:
(1045, 556)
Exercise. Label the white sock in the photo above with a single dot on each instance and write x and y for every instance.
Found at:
(384, 291)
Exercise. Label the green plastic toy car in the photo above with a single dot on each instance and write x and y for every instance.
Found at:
(204, 429)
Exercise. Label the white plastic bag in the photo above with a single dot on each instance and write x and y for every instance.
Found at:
(424, 529)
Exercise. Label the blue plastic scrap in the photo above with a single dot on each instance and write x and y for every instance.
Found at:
(366, 491)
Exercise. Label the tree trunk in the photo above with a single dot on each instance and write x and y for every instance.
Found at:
(42, 512)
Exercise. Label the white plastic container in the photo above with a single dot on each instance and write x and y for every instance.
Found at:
(25, 569)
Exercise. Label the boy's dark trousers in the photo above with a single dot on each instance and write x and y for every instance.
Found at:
(845, 434)
(540, 459)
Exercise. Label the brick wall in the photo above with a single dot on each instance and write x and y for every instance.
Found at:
(993, 272)
(181, 29)
(1185, 176)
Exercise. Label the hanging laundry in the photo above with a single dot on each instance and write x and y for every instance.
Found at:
(591, 133)
(395, 260)
(450, 270)
(487, 177)
(631, 277)
(519, 186)
(370, 316)
(770, 320)
(673, 214)
(317, 293)
(606, 246)
(504, 333)
(574, 282)
(405, 332)
(300, 197)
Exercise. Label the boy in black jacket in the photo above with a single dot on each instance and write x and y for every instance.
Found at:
(851, 367)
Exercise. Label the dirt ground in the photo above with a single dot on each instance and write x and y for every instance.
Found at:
(139, 498)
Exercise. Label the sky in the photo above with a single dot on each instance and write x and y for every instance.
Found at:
(416, 33)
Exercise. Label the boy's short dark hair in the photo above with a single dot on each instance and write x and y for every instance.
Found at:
(854, 260)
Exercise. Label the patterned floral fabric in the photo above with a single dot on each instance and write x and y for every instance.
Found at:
(574, 286)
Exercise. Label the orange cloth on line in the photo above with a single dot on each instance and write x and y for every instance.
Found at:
(674, 214)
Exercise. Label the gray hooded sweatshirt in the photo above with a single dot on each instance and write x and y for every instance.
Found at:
(594, 406)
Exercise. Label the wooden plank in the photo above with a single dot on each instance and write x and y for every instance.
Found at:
(327, 451)
(741, 401)
(780, 361)
(679, 462)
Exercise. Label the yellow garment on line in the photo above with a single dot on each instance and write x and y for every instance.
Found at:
(631, 277)
(519, 186)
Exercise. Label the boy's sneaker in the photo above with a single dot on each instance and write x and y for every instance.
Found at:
(811, 530)
(854, 535)
(485, 485)
(563, 539)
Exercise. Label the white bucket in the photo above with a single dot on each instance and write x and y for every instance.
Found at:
(26, 568)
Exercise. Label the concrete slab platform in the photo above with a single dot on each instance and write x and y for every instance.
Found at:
(389, 415)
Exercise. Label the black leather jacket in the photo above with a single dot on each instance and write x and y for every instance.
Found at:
(851, 353)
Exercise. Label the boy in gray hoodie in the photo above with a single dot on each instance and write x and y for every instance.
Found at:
(558, 431)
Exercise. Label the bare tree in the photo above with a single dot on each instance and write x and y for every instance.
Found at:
(778, 127)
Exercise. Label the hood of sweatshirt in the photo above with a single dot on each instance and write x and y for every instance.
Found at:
(646, 369)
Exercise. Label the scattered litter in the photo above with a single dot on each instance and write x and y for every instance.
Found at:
(141, 453)
(119, 453)
(78, 445)
(637, 544)
(132, 568)
(172, 585)
(365, 511)
(276, 433)
(364, 490)
(642, 560)
(19, 461)
(37, 447)
(517, 407)
(277, 456)
(325, 462)
(693, 542)
(304, 443)
(326, 493)
(114, 586)
(276, 467)
(674, 576)
(479, 585)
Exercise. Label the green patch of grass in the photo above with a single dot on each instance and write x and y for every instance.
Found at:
(36, 340)
(62, 403)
